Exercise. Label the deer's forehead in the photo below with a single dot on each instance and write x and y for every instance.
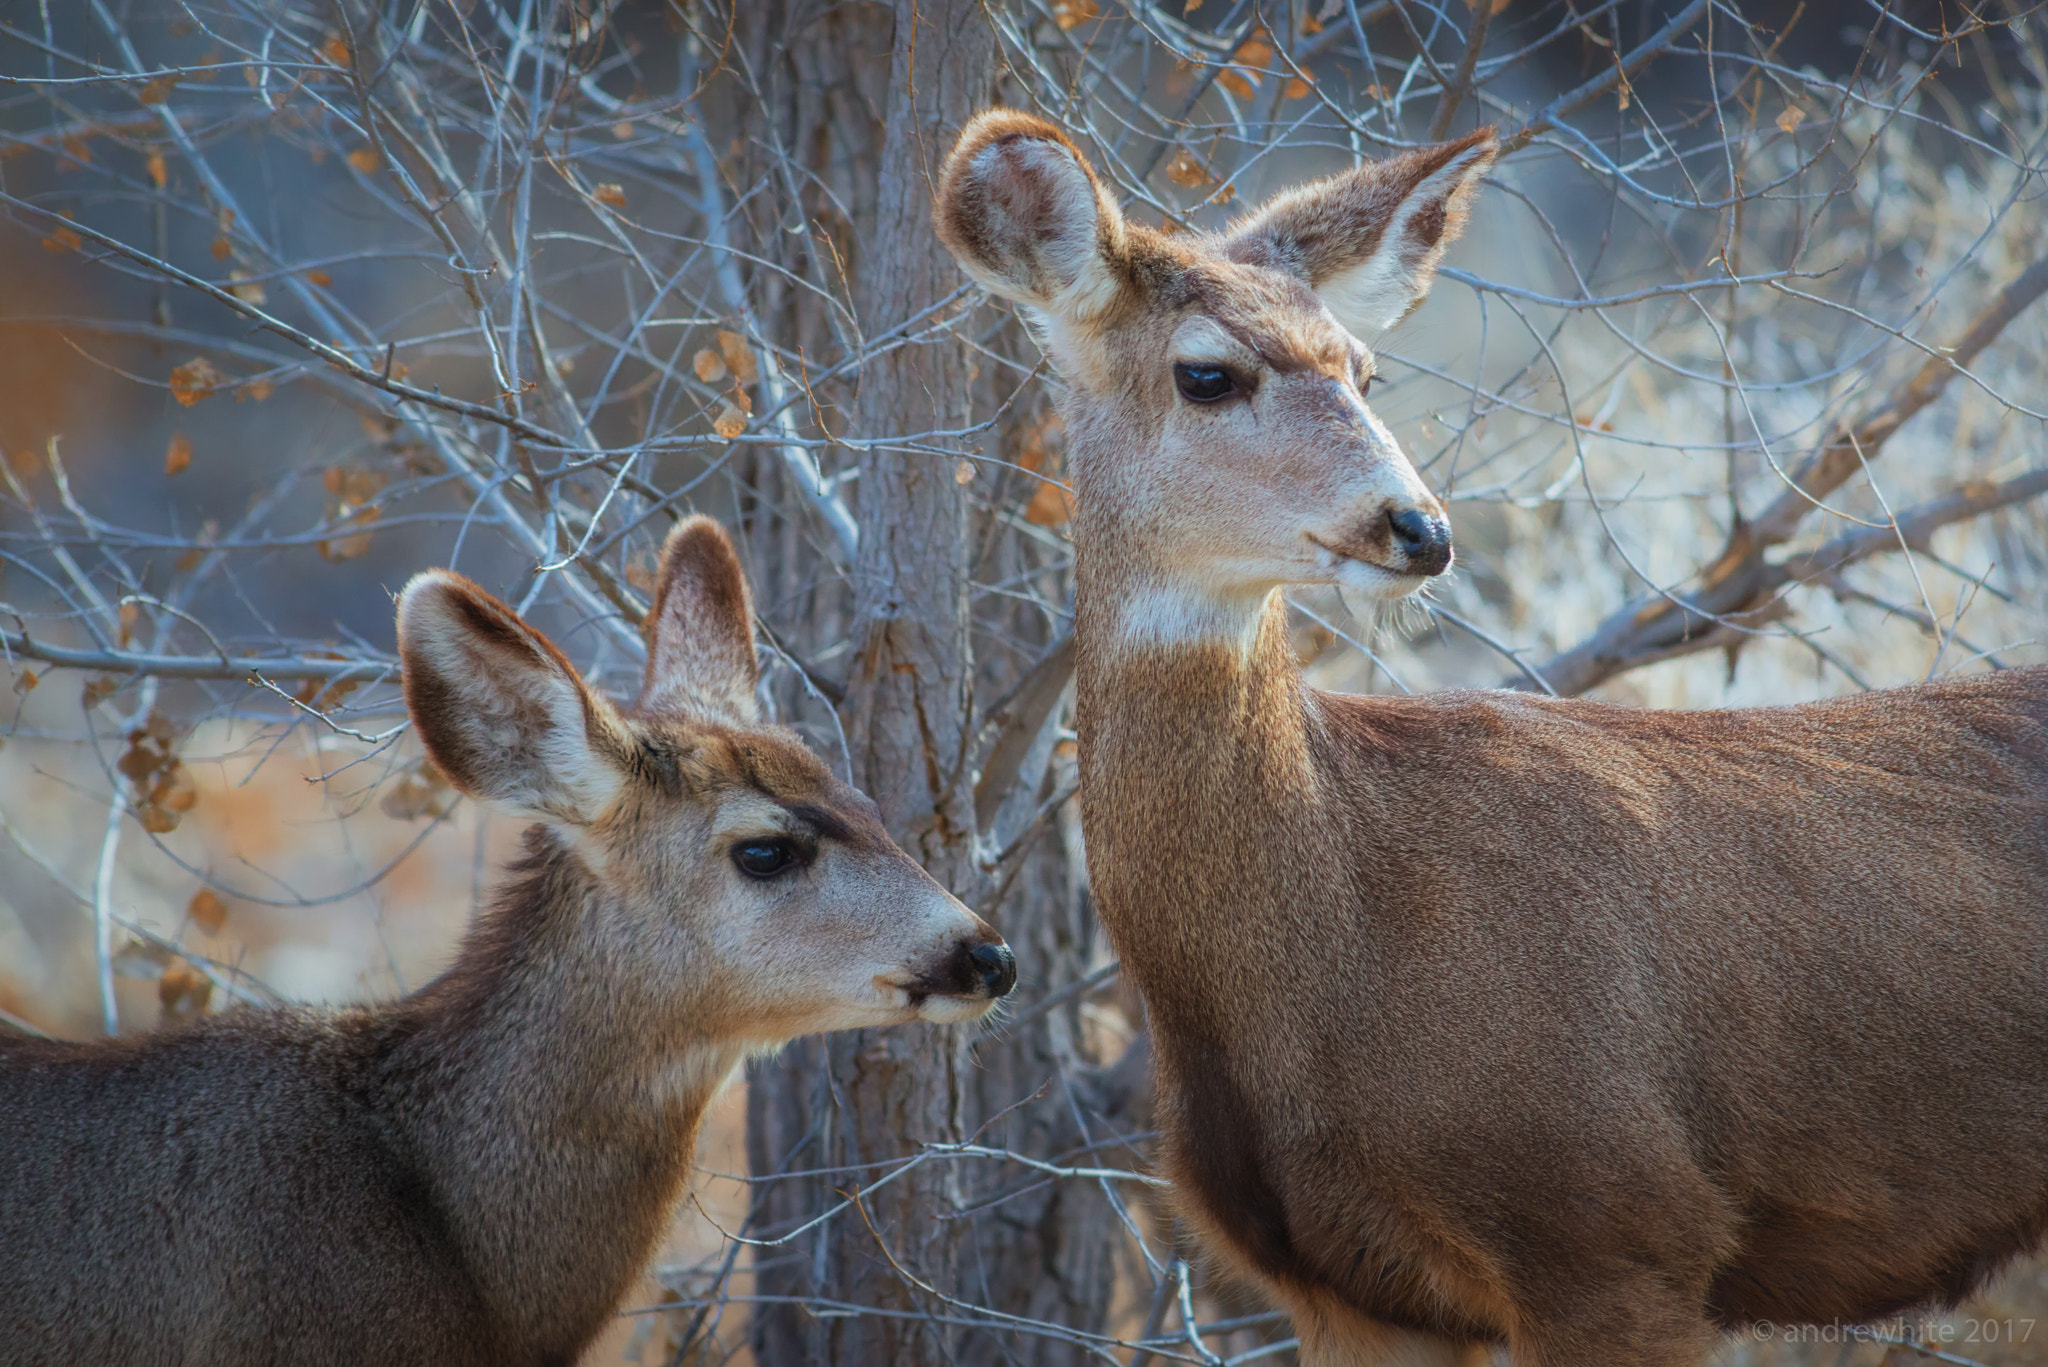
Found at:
(1223, 307)
(770, 778)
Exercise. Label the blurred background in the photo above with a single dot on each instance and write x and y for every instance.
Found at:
(1732, 387)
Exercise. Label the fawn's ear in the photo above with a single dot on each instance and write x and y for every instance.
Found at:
(1022, 212)
(501, 712)
(700, 631)
(1368, 241)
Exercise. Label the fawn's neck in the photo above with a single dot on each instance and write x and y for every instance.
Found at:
(553, 1111)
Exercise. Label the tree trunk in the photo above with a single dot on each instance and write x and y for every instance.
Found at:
(1044, 1250)
(874, 1095)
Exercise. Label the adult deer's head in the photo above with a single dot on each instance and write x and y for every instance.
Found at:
(735, 875)
(1217, 383)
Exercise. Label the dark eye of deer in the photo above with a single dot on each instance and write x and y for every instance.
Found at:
(1203, 383)
(764, 858)
(1364, 386)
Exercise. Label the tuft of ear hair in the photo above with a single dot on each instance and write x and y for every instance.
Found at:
(700, 631)
(1368, 241)
(1022, 211)
(500, 710)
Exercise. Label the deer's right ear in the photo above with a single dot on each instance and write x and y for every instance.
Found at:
(1021, 210)
(499, 709)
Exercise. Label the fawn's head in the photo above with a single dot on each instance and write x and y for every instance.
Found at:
(738, 879)
(1216, 382)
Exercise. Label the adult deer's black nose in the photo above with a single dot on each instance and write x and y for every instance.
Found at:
(995, 967)
(1424, 539)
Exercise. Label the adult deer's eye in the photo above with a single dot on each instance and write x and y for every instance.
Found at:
(764, 858)
(1203, 383)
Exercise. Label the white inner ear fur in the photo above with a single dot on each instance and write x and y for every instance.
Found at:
(542, 767)
(1057, 260)
(1376, 293)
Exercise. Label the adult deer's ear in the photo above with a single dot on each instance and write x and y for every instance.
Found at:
(501, 712)
(1021, 210)
(1368, 241)
(700, 631)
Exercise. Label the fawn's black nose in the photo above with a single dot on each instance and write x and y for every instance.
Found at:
(1424, 539)
(996, 968)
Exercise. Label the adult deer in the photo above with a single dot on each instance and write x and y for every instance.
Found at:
(476, 1174)
(1483, 1018)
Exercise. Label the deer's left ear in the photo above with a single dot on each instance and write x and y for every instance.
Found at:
(1368, 241)
(700, 631)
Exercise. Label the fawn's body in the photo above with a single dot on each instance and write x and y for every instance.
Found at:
(477, 1173)
(1482, 1018)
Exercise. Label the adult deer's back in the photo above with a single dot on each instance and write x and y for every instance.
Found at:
(1483, 1017)
(477, 1173)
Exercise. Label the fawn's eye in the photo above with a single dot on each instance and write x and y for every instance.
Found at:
(764, 858)
(1203, 383)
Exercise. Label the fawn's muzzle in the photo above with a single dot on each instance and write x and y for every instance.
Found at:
(994, 968)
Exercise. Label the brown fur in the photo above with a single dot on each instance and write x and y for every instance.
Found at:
(477, 1173)
(1484, 1018)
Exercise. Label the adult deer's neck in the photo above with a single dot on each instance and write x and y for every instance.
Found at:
(1195, 729)
(554, 1122)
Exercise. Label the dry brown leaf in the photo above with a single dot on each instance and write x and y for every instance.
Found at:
(731, 422)
(63, 240)
(353, 545)
(183, 991)
(26, 463)
(220, 249)
(335, 49)
(247, 290)
(1789, 121)
(1190, 7)
(739, 357)
(175, 791)
(178, 458)
(129, 615)
(963, 472)
(710, 366)
(75, 148)
(207, 911)
(256, 390)
(1182, 168)
(159, 89)
(25, 681)
(1052, 503)
(1071, 14)
(195, 380)
(365, 160)
(622, 130)
(1298, 87)
(1237, 83)
(97, 691)
(320, 278)
(159, 171)
(417, 793)
(156, 820)
(611, 194)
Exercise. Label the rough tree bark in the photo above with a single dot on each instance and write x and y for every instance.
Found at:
(910, 722)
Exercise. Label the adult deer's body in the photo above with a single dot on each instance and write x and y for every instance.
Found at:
(477, 1173)
(1484, 1017)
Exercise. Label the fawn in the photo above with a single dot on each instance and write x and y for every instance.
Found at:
(476, 1174)
(1483, 1018)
